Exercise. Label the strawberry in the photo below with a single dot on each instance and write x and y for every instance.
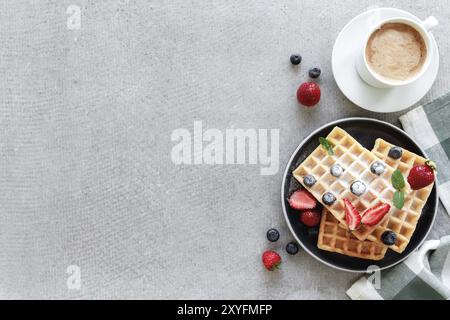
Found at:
(310, 218)
(308, 94)
(302, 200)
(373, 215)
(271, 260)
(352, 216)
(421, 176)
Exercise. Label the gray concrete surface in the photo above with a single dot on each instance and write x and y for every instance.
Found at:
(86, 118)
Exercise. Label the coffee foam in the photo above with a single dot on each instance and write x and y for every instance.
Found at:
(396, 51)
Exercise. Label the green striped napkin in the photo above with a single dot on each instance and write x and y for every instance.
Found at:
(429, 125)
(425, 275)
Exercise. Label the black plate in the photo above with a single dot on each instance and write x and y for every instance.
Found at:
(366, 131)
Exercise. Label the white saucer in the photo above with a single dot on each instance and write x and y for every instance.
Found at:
(349, 42)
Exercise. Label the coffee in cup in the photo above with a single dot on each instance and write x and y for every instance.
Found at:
(396, 51)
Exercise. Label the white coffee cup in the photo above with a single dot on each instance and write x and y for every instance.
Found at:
(376, 80)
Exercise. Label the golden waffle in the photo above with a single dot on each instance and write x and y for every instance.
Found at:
(334, 237)
(403, 222)
(356, 161)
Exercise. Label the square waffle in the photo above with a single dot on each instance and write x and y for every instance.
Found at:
(356, 161)
(334, 237)
(403, 222)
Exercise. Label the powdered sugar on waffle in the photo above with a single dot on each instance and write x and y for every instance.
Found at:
(356, 162)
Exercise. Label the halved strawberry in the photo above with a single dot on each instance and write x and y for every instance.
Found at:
(352, 216)
(373, 215)
(302, 200)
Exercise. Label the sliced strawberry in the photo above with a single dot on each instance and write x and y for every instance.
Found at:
(302, 200)
(373, 215)
(352, 216)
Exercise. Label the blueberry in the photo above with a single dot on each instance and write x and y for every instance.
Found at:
(314, 73)
(389, 238)
(273, 235)
(309, 180)
(292, 248)
(358, 188)
(336, 170)
(296, 59)
(328, 198)
(377, 168)
(395, 152)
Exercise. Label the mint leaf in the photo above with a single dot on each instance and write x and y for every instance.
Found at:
(398, 182)
(399, 199)
(327, 145)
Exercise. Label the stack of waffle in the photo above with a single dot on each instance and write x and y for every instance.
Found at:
(364, 242)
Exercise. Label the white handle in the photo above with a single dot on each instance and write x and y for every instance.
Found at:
(426, 247)
(430, 22)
